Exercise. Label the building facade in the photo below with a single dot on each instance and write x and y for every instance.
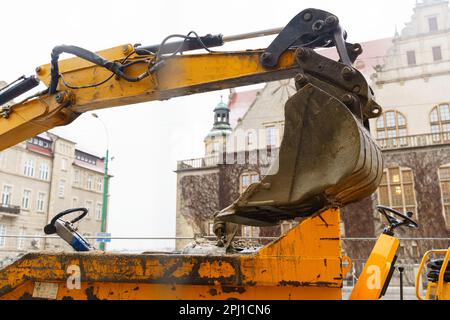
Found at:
(40, 178)
(410, 75)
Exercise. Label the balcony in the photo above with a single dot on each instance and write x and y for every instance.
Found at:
(9, 210)
(417, 141)
(200, 163)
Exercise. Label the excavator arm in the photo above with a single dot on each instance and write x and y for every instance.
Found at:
(180, 75)
(327, 158)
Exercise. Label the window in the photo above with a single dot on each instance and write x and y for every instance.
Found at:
(74, 202)
(26, 199)
(28, 168)
(2, 159)
(89, 207)
(271, 138)
(250, 141)
(433, 24)
(2, 233)
(6, 195)
(90, 183)
(99, 184)
(247, 179)
(216, 147)
(390, 126)
(61, 188)
(437, 53)
(76, 177)
(64, 164)
(98, 211)
(248, 232)
(444, 179)
(440, 123)
(342, 228)
(21, 240)
(210, 228)
(411, 57)
(287, 225)
(40, 204)
(397, 190)
(43, 171)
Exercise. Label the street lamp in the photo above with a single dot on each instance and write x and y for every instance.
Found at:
(105, 181)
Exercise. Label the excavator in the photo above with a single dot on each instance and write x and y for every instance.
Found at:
(327, 159)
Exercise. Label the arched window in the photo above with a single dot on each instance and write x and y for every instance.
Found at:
(440, 123)
(397, 190)
(444, 179)
(392, 125)
(247, 179)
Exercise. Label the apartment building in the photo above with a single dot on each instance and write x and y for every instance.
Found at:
(39, 178)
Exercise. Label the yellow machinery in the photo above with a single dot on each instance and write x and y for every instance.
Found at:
(327, 160)
(438, 287)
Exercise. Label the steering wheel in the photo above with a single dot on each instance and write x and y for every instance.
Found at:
(51, 229)
(397, 219)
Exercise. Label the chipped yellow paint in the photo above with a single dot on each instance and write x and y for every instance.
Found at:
(210, 269)
(184, 270)
(285, 269)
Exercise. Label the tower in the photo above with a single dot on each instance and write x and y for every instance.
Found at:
(215, 141)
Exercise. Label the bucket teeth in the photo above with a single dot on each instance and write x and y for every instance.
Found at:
(326, 159)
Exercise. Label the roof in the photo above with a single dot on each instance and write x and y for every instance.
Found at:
(97, 168)
(239, 104)
(374, 52)
(39, 149)
(221, 106)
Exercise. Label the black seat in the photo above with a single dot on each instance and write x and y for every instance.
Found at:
(434, 266)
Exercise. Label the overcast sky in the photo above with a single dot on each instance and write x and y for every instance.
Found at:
(147, 139)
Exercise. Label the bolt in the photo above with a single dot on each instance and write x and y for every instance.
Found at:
(331, 20)
(347, 73)
(348, 100)
(300, 81)
(318, 25)
(357, 48)
(302, 54)
(126, 49)
(356, 89)
(266, 56)
(38, 70)
(266, 59)
(59, 98)
(307, 16)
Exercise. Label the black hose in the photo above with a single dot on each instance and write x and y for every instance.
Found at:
(81, 53)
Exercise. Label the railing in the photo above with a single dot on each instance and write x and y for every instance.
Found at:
(261, 157)
(416, 141)
(207, 162)
(7, 208)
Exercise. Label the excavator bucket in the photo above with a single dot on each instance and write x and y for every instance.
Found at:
(326, 159)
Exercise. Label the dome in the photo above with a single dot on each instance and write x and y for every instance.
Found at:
(222, 106)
